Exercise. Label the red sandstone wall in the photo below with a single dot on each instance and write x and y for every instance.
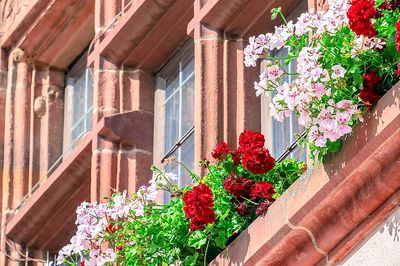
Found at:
(41, 38)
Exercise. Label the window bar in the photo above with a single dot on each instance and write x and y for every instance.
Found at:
(291, 147)
(178, 144)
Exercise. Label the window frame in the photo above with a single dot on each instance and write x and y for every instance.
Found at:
(74, 74)
(182, 57)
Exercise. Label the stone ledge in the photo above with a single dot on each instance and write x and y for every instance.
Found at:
(147, 34)
(333, 206)
(239, 18)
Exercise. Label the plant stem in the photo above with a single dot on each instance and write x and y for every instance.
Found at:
(205, 252)
(283, 17)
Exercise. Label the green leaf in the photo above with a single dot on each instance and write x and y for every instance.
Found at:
(197, 239)
(334, 146)
(275, 12)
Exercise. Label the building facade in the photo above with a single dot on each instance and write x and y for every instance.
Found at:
(92, 93)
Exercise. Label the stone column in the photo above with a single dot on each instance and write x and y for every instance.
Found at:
(16, 143)
(106, 101)
(135, 162)
(21, 132)
(4, 115)
(48, 106)
(242, 106)
(209, 94)
(226, 103)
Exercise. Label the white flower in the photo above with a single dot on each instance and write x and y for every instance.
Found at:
(338, 71)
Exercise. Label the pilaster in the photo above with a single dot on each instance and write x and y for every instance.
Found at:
(242, 106)
(208, 57)
(135, 162)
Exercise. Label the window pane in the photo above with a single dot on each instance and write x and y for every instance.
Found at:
(172, 84)
(78, 98)
(187, 68)
(171, 121)
(188, 105)
(178, 77)
(187, 158)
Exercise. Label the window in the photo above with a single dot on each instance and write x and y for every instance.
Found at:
(78, 105)
(282, 134)
(175, 108)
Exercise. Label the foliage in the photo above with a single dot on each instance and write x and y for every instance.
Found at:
(139, 231)
(347, 58)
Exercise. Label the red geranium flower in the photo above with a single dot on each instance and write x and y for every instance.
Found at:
(360, 14)
(398, 70)
(238, 186)
(367, 94)
(262, 190)
(371, 80)
(398, 35)
(242, 209)
(221, 151)
(258, 160)
(369, 98)
(263, 207)
(236, 156)
(82, 263)
(250, 139)
(198, 207)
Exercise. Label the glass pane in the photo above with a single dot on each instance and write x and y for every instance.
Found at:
(187, 158)
(188, 105)
(172, 83)
(79, 99)
(187, 68)
(171, 121)
(77, 130)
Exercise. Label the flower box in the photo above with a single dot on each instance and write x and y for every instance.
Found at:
(333, 206)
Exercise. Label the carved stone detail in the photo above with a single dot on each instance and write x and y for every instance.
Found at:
(39, 106)
(20, 55)
(10, 10)
(54, 93)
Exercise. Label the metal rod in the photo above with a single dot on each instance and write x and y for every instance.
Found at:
(291, 147)
(178, 144)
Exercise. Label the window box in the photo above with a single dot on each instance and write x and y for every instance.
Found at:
(333, 206)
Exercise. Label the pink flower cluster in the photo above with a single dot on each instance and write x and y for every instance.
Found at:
(304, 95)
(308, 22)
(94, 221)
(332, 122)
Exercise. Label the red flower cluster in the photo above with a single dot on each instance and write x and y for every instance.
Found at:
(263, 207)
(236, 156)
(242, 209)
(221, 151)
(398, 35)
(250, 139)
(258, 160)
(360, 14)
(199, 205)
(238, 186)
(262, 190)
(367, 94)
